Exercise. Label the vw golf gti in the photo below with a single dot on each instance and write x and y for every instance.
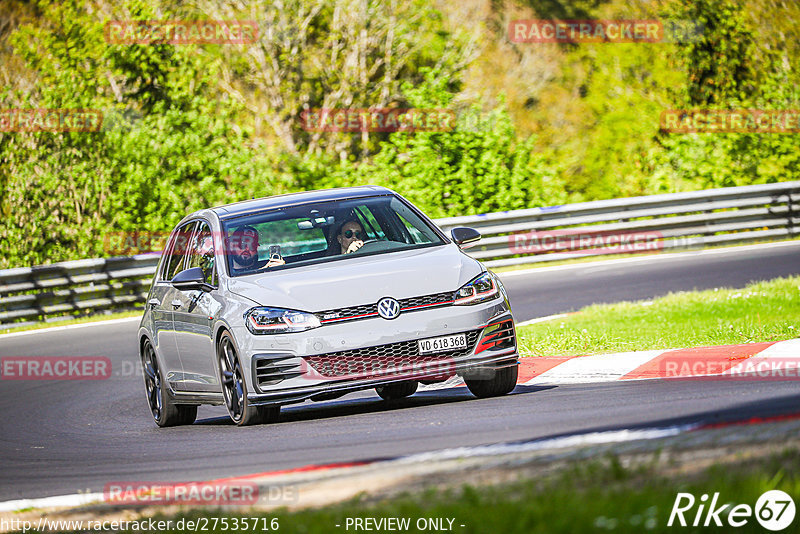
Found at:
(313, 295)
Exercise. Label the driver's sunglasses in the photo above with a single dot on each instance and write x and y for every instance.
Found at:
(349, 233)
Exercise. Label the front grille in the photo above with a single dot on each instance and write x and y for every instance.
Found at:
(401, 357)
(366, 311)
(427, 300)
(350, 313)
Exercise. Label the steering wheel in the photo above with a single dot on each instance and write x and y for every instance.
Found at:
(366, 245)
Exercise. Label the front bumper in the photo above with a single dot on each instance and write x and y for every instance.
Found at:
(476, 366)
(299, 375)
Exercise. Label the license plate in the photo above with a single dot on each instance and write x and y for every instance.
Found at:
(442, 344)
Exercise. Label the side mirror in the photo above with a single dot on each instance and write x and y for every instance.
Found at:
(464, 236)
(191, 279)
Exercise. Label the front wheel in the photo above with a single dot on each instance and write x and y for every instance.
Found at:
(162, 406)
(398, 390)
(504, 381)
(234, 391)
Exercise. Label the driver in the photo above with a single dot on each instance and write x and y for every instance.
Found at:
(243, 245)
(351, 236)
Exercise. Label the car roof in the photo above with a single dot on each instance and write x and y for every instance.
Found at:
(246, 207)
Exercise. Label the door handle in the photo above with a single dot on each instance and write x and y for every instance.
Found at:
(176, 303)
(154, 302)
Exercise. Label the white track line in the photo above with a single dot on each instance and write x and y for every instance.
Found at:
(452, 382)
(543, 319)
(70, 327)
(60, 501)
(592, 438)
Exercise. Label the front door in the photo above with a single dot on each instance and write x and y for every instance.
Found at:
(194, 316)
(162, 302)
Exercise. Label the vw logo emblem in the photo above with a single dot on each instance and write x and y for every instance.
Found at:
(388, 308)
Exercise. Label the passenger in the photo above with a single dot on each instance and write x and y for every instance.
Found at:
(351, 236)
(243, 245)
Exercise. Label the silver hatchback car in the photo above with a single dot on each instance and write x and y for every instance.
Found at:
(314, 295)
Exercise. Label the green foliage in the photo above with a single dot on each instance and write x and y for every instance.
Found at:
(720, 64)
(729, 68)
(166, 146)
(479, 167)
(189, 126)
(624, 96)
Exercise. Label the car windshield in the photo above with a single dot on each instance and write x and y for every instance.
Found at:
(324, 231)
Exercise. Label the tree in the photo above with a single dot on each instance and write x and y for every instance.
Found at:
(341, 54)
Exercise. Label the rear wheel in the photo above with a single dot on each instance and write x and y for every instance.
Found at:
(162, 406)
(504, 381)
(234, 390)
(398, 390)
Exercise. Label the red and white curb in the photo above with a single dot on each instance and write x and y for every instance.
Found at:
(760, 360)
(770, 360)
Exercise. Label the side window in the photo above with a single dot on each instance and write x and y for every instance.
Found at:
(202, 253)
(177, 253)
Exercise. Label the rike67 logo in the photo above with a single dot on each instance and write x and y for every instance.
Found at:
(774, 510)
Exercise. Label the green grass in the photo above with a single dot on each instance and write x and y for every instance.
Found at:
(762, 311)
(79, 320)
(587, 496)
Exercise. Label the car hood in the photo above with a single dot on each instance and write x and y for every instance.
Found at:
(360, 280)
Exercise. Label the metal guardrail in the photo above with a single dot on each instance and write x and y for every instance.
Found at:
(662, 222)
(656, 222)
(71, 287)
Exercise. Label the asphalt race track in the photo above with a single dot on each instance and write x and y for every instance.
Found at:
(62, 437)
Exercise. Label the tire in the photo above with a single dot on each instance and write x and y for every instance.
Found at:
(162, 406)
(234, 390)
(398, 390)
(504, 381)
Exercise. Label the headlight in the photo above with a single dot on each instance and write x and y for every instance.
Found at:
(481, 289)
(279, 321)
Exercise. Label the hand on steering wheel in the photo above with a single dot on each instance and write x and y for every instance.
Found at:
(357, 244)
